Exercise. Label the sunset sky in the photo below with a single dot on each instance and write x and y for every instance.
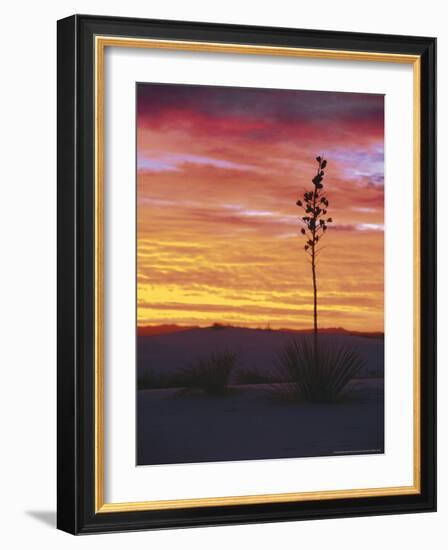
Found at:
(219, 171)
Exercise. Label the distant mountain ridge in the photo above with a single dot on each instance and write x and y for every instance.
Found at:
(156, 330)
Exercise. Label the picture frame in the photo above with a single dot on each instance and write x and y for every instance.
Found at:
(82, 194)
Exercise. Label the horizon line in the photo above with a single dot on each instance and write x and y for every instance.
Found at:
(217, 325)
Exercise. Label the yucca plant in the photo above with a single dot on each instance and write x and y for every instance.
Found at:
(317, 375)
(210, 373)
(151, 380)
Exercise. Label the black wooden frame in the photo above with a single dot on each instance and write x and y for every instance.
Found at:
(76, 512)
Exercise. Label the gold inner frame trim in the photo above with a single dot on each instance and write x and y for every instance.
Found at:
(101, 42)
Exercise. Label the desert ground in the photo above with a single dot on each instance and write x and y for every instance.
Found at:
(253, 420)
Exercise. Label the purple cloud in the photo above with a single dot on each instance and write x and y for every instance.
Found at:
(175, 162)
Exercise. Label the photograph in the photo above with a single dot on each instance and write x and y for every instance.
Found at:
(246, 263)
(259, 273)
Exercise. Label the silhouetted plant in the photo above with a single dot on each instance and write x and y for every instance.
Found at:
(210, 373)
(315, 223)
(151, 380)
(321, 381)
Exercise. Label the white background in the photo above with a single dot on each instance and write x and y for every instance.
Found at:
(28, 275)
(123, 481)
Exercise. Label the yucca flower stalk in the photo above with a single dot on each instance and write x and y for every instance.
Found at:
(315, 224)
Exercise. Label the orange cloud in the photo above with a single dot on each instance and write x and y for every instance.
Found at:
(218, 230)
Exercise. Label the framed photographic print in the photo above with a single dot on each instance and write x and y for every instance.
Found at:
(246, 274)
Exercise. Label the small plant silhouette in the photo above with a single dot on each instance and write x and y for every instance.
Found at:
(210, 373)
(315, 223)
